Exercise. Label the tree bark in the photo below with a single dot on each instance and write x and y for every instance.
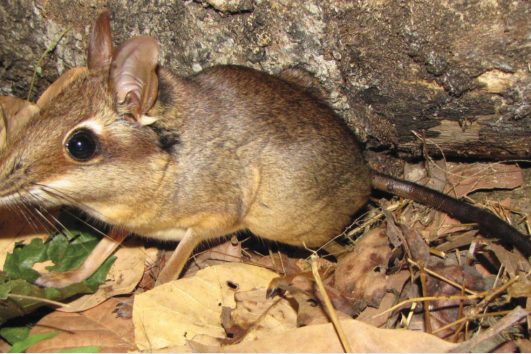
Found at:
(411, 77)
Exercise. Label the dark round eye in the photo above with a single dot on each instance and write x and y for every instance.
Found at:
(82, 145)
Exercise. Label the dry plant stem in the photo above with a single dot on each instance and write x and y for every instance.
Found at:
(460, 314)
(427, 156)
(48, 50)
(451, 282)
(438, 253)
(495, 292)
(367, 223)
(484, 294)
(513, 317)
(372, 219)
(328, 305)
(410, 314)
(427, 319)
(496, 280)
(469, 318)
(46, 301)
(427, 298)
(528, 309)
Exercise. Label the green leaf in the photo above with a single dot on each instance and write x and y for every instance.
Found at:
(18, 294)
(100, 275)
(57, 247)
(14, 334)
(22, 346)
(86, 349)
(70, 255)
(18, 264)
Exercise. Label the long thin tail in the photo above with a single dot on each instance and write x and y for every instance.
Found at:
(489, 224)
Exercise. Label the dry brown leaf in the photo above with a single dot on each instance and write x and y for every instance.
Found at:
(360, 275)
(432, 174)
(457, 241)
(280, 263)
(372, 315)
(259, 315)
(229, 251)
(416, 246)
(362, 338)
(98, 326)
(122, 278)
(445, 311)
(459, 180)
(524, 345)
(463, 179)
(447, 225)
(309, 310)
(4, 346)
(173, 313)
(512, 261)
(521, 288)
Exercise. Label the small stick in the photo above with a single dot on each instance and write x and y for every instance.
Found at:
(426, 298)
(427, 317)
(469, 318)
(441, 277)
(513, 317)
(48, 50)
(486, 295)
(328, 305)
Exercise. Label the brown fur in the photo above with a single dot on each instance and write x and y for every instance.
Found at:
(254, 152)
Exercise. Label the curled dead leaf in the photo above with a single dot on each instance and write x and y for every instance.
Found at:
(190, 308)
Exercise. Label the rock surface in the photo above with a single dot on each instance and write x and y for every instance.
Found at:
(408, 76)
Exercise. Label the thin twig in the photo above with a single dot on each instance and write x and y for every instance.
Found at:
(48, 50)
(441, 277)
(426, 304)
(486, 295)
(513, 317)
(328, 305)
(427, 298)
(470, 317)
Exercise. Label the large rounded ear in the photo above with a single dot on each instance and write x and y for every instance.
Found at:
(100, 43)
(14, 114)
(133, 78)
(58, 85)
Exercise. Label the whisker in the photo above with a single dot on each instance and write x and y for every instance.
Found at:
(86, 223)
(17, 210)
(28, 217)
(62, 195)
(53, 225)
(64, 229)
(45, 224)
